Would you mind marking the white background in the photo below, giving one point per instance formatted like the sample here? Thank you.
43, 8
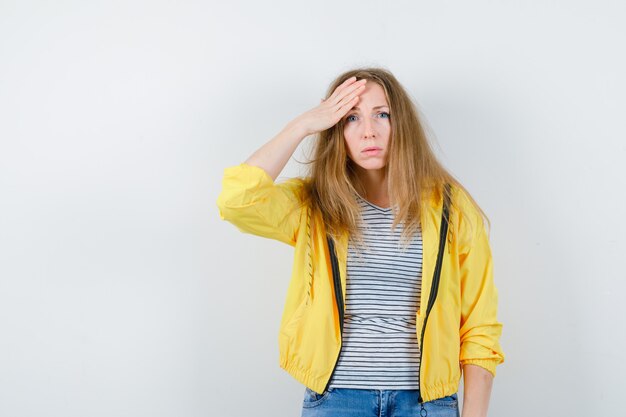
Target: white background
122, 293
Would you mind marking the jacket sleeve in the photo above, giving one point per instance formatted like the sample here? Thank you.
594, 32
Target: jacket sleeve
255, 204
479, 331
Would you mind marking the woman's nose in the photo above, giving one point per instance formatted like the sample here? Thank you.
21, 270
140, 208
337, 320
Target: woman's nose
368, 128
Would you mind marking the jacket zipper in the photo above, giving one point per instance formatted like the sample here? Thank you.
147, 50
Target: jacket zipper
434, 289
431, 299
338, 298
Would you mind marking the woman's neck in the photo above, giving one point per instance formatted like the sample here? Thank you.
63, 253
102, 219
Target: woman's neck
374, 183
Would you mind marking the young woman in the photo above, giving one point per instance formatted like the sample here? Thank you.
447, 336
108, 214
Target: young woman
392, 296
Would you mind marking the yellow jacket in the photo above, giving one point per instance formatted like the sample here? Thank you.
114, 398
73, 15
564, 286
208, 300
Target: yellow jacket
461, 327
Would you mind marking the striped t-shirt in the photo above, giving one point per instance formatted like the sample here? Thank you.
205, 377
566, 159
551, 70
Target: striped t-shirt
379, 349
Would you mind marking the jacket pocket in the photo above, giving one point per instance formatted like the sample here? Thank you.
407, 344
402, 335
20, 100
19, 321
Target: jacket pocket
295, 318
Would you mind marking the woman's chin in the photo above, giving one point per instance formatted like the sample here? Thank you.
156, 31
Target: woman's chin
372, 165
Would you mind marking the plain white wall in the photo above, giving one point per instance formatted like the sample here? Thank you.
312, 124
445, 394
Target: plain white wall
122, 293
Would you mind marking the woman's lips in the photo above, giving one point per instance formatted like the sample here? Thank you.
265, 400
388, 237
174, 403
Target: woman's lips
372, 151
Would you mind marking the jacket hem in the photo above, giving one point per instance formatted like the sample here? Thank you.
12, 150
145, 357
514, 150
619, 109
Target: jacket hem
316, 383
440, 390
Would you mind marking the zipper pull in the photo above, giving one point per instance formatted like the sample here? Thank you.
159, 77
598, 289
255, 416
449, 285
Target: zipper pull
423, 412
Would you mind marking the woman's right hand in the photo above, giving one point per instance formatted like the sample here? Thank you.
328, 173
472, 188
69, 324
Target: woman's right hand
330, 111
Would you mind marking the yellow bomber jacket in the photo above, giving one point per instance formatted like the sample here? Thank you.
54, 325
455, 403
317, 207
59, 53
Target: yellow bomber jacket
461, 327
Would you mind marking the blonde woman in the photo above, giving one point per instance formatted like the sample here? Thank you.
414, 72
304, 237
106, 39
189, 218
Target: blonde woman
392, 297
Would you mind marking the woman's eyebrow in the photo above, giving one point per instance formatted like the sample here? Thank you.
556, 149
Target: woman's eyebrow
374, 108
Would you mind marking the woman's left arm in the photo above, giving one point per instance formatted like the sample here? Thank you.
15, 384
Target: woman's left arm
477, 383
480, 329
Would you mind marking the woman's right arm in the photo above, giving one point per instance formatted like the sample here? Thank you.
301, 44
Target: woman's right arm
251, 200
274, 155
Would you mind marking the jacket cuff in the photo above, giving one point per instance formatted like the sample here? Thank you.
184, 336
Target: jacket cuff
488, 364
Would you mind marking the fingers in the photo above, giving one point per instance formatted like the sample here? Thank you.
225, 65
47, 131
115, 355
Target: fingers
342, 86
345, 106
349, 99
347, 87
350, 88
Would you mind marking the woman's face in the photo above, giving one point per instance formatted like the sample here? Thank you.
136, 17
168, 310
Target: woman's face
367, 126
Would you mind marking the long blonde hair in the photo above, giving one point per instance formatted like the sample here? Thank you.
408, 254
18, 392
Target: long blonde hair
414, 173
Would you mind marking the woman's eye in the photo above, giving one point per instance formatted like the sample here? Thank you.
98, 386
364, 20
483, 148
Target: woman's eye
348, 119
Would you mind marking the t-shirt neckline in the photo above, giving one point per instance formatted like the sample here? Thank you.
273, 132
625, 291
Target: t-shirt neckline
387, 209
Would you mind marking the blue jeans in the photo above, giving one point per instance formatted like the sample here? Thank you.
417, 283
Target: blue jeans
348, 402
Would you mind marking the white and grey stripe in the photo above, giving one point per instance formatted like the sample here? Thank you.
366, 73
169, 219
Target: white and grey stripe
380, 348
